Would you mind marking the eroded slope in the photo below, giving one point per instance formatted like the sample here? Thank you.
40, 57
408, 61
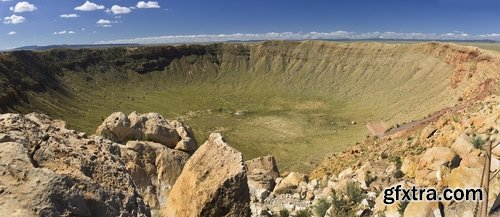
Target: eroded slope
296, 100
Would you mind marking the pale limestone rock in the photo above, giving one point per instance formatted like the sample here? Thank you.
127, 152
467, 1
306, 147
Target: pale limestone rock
154, 168
148, 127
427, 132
465, 177
421, 209
48, 170
289, 184
346, 174
434, 164
212, 183
462, 145
116, 127
409, 166
262, 173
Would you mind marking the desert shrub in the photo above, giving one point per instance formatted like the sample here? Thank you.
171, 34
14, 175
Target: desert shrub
354, 193
304, 213
344, 203
402, 207
283, 213
370, 178
341, 207
398, 174
397, 161
420, 150
478, 142
156, 214
321, 207
409, 139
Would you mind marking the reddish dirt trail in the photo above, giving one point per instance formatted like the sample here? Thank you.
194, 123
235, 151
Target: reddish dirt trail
433, 117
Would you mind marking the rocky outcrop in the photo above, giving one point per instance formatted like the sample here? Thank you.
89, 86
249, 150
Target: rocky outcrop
48, 170
462, 145
149, 127
434, 165
212, 183
154, 168
422, 209
262, 173
462, 209
290, 184
447, 153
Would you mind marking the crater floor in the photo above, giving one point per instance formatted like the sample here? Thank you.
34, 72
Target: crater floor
294, 100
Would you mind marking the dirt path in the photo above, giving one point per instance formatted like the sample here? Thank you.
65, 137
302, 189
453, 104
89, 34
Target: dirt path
416, 123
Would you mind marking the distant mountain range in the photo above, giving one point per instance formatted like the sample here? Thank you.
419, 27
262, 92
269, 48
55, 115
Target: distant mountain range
71, 46
78, 46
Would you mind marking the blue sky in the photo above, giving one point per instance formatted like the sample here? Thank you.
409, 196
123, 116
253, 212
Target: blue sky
39, 22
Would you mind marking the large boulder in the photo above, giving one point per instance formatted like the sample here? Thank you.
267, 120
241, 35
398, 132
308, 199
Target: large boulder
154, 168
290, 184
116, 127
462, 145
465, 177
462, 209
428, 132
48, 170
212, 183
422, 209
434, 166
409, 166
150, 127
262, 173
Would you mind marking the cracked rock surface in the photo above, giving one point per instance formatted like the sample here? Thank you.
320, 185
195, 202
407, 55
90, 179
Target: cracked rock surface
148, 127
48, 170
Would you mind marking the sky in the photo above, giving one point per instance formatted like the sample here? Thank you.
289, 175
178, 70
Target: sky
47, 22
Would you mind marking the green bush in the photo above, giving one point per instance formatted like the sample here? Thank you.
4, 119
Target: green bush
344, 203
304, 213
284, 213
402, 207
321, 207
397, 161
399, 174
409, 139
354, 193
478, 142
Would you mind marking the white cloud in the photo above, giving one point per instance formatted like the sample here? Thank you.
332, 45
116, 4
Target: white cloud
11, 33
64, 32
490, 35
149, 4
14, 19
5, 0
305, 36
89, 6
105, 23
23, 7
116, 9
69, 15
102, 21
